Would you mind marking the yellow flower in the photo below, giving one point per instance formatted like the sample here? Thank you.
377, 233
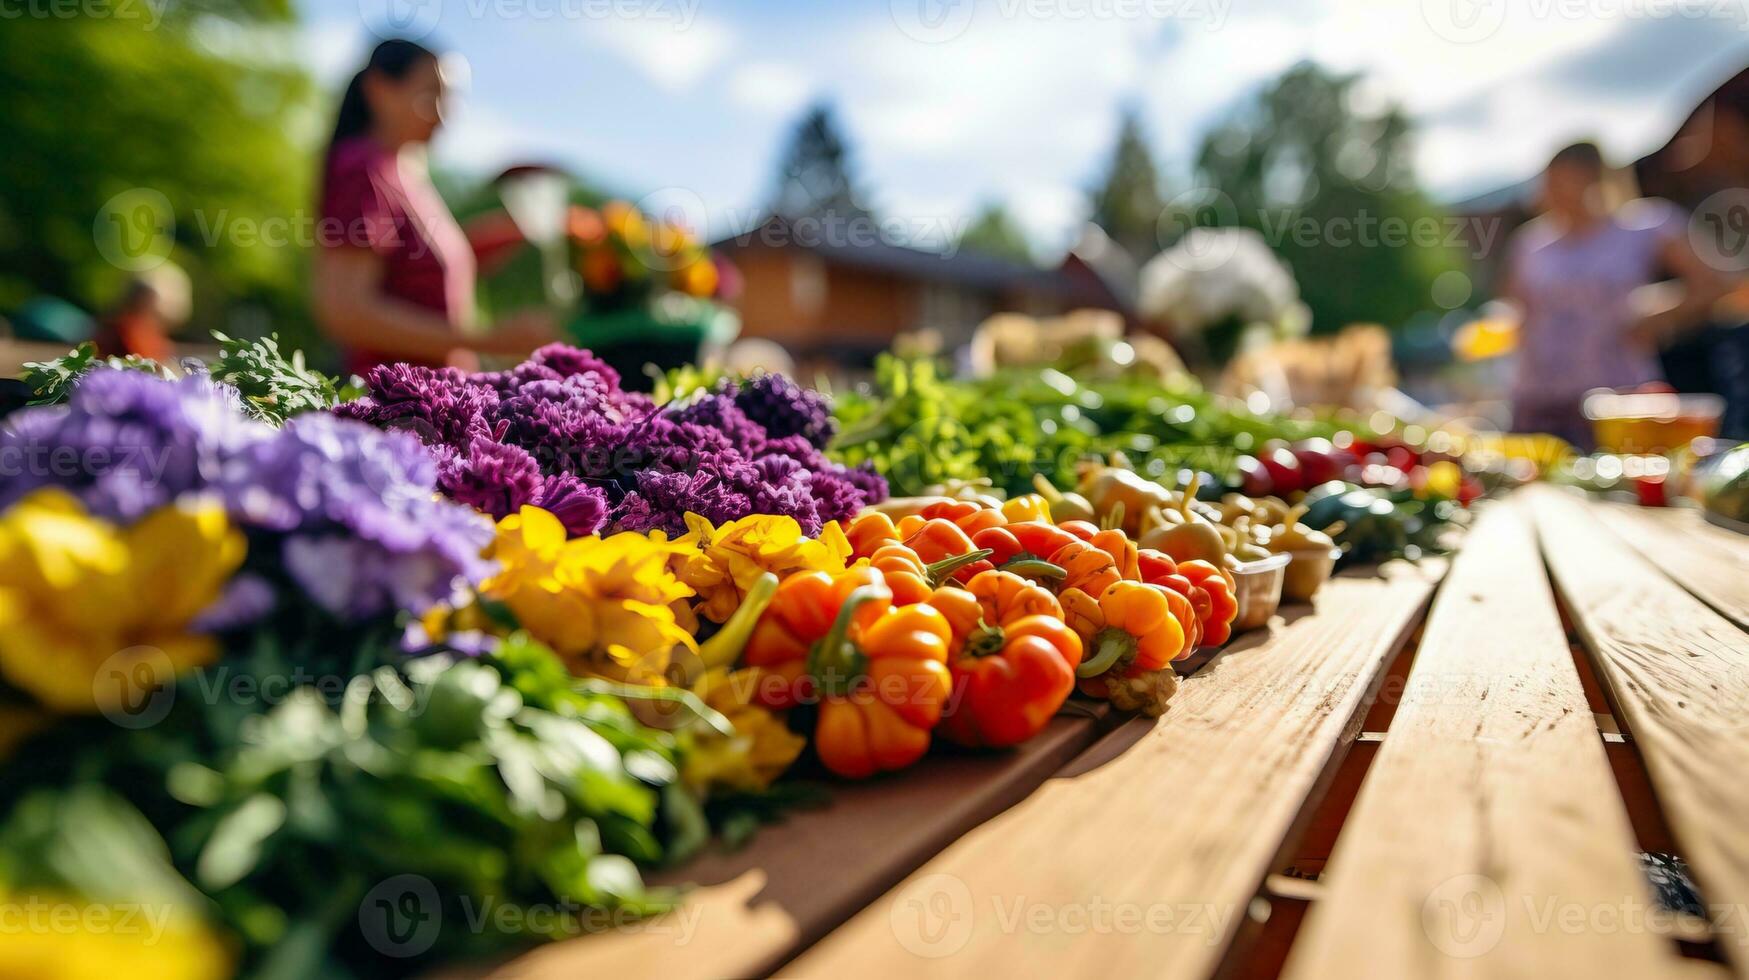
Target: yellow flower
697, 278
626, 222
605, 605
77, 939
730, 557
92, 614
759, 751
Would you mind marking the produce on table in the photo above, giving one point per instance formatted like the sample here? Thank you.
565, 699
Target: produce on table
1131, 636
1012, 658
1726, 487
920, 429
618, 634
1376, 524
876, 672
557, 432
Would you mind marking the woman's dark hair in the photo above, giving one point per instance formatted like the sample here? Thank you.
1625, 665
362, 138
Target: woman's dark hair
1583, 154
393, 58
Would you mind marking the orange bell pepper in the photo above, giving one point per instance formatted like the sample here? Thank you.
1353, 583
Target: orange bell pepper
1134, 637
939, 539
1013, 659
1085, 530
872, 528
1024, 547
1121, 549
1085, 567
970, 516
1217, 584
879, 671
911, 578
868, 531
1158, 568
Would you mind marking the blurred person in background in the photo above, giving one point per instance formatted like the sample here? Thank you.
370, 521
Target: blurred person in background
1715, 356
1572, 273
394, 274
152, 305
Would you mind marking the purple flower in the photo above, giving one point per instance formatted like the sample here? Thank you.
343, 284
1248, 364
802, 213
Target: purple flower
557, 431
141, 442
784, 408
126, 442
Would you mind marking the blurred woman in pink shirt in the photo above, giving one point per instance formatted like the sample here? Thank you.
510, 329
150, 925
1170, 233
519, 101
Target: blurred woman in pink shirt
394, 274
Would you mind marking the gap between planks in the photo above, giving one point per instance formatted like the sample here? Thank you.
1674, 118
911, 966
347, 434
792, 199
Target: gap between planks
1679, 674
1490, 809
1147, 864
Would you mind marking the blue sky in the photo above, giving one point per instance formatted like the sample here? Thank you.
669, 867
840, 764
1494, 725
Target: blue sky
952, 102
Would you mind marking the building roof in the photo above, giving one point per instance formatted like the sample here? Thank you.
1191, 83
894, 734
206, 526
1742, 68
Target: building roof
967, 268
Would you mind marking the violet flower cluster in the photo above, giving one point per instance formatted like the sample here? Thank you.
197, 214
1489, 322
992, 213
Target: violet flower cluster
558, 432
348, 513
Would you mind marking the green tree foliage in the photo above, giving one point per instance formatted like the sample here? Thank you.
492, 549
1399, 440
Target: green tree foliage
1126, 202
188, 130
815, 177
1330, 185
994, 232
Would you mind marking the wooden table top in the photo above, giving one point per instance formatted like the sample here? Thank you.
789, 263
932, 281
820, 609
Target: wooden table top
1444, 769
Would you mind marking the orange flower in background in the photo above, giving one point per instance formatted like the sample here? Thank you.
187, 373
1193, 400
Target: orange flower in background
585, 226
697, 278
602, 269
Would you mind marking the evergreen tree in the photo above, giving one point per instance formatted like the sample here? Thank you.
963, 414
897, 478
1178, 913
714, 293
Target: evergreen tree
1333, 191
994, 232
1127, 202
814, 178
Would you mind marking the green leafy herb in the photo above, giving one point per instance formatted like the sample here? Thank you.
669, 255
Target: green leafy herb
52, 381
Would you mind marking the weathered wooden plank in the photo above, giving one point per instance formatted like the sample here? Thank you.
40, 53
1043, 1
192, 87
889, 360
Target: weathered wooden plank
1709, 561
796, 880
1489, 812
1679, 674
1144, 865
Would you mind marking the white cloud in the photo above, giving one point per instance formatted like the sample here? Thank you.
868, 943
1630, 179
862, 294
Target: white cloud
674, 54
769, 87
